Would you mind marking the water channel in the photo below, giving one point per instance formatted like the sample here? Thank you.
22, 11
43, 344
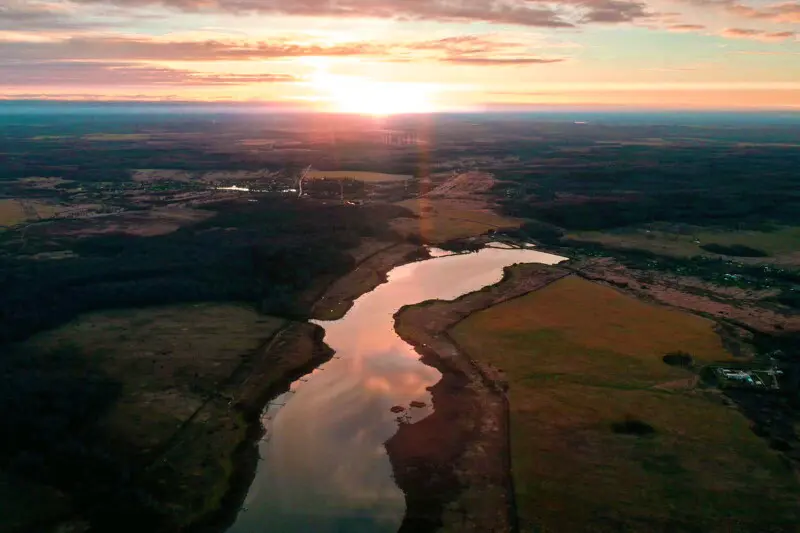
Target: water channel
323, 465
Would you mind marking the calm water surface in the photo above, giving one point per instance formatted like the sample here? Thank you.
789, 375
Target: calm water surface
324, 468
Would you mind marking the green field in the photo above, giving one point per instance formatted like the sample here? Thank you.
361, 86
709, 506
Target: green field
580, 358
13, 213
441, 221
176, 367
780, 242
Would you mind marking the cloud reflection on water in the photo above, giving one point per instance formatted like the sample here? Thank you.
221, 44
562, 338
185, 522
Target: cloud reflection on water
324, 467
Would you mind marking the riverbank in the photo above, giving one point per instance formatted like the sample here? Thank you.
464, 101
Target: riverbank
295, 350
370, 272
453, 465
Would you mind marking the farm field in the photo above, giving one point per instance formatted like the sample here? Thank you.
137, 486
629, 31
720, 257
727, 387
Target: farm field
149, 223
357, 175
443, 220
584, 364
13, 213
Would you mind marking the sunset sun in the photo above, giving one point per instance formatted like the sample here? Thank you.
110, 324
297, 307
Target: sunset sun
348, 94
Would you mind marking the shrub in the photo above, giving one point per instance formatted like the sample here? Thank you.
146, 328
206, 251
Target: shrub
633, 426
679, 358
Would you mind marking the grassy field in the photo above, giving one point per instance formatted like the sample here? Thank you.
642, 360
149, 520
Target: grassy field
582, 357
176, 367
442, 220
23, 503
784, 240
357, 175
12, 212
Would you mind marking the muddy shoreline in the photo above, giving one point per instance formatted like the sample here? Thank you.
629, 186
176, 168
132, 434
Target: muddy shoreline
454, 466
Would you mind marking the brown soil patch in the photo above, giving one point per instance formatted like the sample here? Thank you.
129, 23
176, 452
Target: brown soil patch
466, 185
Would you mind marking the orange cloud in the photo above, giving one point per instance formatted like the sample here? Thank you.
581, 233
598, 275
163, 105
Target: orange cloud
685, 27
759, 35
92, 73
788, 12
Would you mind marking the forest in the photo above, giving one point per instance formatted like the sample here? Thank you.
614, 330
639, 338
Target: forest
267, 253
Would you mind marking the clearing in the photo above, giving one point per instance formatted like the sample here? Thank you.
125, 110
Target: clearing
149, 223
584, 366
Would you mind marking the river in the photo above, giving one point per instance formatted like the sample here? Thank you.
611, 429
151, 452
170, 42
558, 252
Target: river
323, 465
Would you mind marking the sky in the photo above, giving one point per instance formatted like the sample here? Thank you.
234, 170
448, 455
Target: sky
398, 56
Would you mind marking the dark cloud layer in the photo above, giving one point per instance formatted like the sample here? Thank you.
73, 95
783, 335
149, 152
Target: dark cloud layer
542, 13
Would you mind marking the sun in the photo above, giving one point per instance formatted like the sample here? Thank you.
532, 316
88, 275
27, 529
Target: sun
349, 94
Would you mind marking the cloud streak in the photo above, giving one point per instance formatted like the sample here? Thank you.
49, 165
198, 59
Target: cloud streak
758, 35
143, 48
782, 12
90, 73
466, 49
501, 60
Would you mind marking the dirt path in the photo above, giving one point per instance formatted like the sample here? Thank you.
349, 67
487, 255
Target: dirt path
454, 466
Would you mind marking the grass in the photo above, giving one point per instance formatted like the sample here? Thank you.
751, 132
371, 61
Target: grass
167, 359
373, 177
174, 365
13, 213
441, 221
784, 240
581, 360
23, 503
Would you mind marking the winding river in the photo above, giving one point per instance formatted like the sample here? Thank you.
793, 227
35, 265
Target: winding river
323, 465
